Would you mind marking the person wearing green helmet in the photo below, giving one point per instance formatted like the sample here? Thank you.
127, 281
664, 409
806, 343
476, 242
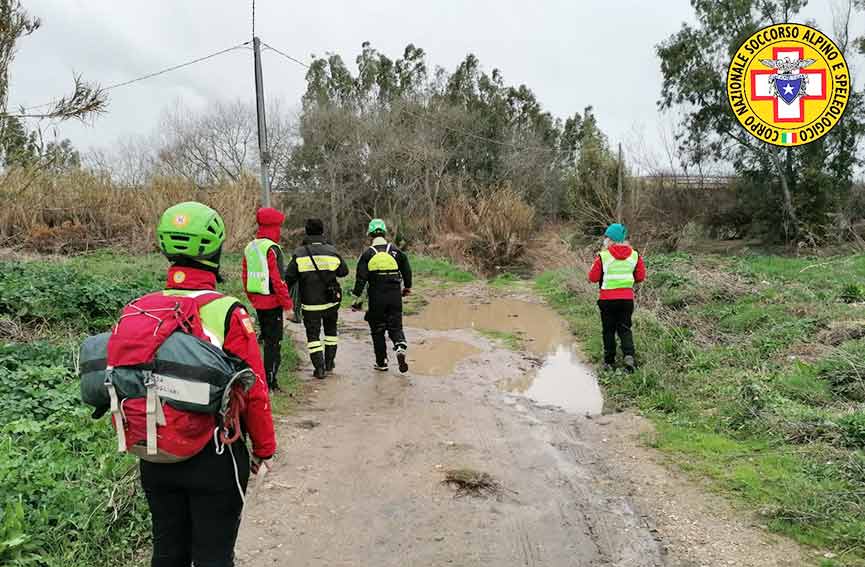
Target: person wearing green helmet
616, 270
387, 271
195, 505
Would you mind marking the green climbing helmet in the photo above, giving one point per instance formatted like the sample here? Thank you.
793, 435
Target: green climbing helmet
191, 230
377, 226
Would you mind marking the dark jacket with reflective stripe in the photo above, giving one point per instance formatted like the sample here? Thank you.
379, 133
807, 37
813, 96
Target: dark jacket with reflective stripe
384, 285
300, 269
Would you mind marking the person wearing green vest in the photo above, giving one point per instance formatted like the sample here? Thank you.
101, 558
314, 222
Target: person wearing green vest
264, 282
387, 271
616, 270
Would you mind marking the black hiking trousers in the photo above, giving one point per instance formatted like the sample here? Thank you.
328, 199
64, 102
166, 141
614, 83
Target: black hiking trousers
385, 316
195, 507
271, 323
616, 320
322, 353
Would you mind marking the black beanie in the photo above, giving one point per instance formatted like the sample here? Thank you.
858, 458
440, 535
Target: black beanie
314, 227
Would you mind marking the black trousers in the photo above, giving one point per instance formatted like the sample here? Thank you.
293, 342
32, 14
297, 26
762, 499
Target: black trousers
321, 349
385, 315
616, 320
270, 321
195, 507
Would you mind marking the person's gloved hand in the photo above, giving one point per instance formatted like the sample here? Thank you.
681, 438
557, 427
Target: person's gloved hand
257, 462
406, 291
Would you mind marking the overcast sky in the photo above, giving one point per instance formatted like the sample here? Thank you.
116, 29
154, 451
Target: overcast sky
572, 53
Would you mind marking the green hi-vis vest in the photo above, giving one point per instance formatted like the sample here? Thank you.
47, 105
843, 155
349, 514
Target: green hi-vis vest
213, 315
618, 274
257, 271
383, 263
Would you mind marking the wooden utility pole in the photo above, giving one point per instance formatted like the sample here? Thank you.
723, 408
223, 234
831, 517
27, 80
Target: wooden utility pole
620, 196
262, 124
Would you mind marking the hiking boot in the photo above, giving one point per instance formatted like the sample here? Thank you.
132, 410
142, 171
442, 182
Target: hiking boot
329, 366
630, 364
319, 373
381, 367
274, 387
400, 358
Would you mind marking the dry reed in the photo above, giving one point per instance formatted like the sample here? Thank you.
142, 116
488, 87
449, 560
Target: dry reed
78, 211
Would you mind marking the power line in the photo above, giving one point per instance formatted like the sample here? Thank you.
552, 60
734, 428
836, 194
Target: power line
139, 79
176, 67
286, 55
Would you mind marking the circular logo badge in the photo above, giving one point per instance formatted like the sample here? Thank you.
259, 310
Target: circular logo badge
181, 221
788, 84
179, 277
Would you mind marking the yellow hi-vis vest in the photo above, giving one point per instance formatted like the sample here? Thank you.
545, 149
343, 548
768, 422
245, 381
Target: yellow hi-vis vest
257, 270
213, 315
618, 274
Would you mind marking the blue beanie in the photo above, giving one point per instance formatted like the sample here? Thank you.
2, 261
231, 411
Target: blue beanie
616, 232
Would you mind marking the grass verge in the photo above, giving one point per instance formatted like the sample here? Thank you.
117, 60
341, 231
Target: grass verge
752, 370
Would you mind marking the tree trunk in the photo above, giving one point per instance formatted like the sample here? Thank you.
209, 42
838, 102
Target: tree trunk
334, 216
432, 201
789, 209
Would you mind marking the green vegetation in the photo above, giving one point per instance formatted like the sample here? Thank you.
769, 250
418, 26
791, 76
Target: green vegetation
752, 369
66, 496
511, 341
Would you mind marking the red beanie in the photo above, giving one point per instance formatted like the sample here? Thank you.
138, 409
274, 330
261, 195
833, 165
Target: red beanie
268, 216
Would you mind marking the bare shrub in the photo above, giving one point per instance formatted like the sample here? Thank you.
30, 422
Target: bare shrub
490, 230
79, 211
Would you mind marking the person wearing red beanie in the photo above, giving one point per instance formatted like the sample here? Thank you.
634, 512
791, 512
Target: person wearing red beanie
264, 283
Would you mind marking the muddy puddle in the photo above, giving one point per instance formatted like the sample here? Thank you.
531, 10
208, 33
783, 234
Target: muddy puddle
439, 357
562, 379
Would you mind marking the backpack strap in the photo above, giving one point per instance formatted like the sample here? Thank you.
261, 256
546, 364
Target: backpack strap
116, 414
314, 265
155, 415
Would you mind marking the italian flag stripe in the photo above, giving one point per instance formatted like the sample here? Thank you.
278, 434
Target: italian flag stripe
788, 137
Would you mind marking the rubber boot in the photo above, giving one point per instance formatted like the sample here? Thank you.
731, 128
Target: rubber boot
317, 359
329, 358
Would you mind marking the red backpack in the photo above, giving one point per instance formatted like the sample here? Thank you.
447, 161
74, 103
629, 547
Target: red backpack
164, 383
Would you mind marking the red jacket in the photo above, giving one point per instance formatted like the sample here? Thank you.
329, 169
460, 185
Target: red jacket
240, 341
596, 274
269, 224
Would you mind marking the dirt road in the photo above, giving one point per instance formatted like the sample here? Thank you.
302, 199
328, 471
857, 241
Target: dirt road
359, 479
